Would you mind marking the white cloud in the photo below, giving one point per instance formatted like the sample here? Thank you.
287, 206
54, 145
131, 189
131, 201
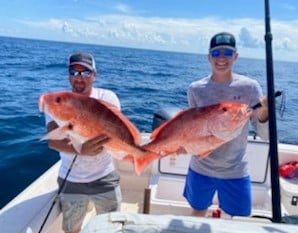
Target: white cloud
123, 8
247, 40
50, 24
170, 34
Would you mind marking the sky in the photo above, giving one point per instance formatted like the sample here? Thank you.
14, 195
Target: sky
168, 25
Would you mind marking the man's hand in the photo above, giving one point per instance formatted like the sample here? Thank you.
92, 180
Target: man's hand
263, 110
94, 145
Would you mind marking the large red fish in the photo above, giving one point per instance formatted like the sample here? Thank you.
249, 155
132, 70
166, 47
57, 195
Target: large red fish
199, 131
81, 118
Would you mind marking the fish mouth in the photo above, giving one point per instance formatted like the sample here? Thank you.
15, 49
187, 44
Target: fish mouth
245, 111
248, 111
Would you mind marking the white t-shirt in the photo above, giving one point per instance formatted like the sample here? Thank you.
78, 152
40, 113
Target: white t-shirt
89, 168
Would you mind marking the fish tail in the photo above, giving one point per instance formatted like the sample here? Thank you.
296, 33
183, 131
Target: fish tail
142, 162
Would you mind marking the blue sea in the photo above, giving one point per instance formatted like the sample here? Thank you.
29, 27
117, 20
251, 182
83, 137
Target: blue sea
144, 80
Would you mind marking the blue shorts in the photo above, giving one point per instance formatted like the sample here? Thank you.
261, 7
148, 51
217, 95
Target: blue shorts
234, 195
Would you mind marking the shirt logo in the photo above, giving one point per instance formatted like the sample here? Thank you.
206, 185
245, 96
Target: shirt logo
237, 97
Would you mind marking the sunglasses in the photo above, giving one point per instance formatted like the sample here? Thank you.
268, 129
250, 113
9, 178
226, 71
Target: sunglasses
227, 53
83, 74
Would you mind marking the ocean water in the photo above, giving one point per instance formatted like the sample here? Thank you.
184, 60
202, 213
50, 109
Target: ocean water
144, 80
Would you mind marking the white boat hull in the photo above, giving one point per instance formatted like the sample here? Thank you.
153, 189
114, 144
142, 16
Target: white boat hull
157, 191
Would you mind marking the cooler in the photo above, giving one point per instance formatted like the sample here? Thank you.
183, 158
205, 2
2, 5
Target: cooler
289, 195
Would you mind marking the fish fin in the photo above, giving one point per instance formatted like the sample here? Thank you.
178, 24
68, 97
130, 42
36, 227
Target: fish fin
181, 150
62, 133
166, 123
205, 154
77, 145
141, 163
132, 128
129, 158
56, 134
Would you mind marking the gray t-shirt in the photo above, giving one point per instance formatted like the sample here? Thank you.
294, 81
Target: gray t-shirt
229, 160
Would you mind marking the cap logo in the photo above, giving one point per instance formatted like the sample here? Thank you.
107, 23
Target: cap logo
223, 39
83, 59
86, 60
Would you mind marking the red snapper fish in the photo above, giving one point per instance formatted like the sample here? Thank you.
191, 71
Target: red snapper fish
199, 131
81, 118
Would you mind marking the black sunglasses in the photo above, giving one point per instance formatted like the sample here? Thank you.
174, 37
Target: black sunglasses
83, 74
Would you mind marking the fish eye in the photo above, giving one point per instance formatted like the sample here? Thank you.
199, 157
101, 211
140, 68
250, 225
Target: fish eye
224, 109
58, 99
70, 126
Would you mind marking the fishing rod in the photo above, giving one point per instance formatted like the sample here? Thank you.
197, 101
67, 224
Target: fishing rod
276, 94
273, 150
58, 193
